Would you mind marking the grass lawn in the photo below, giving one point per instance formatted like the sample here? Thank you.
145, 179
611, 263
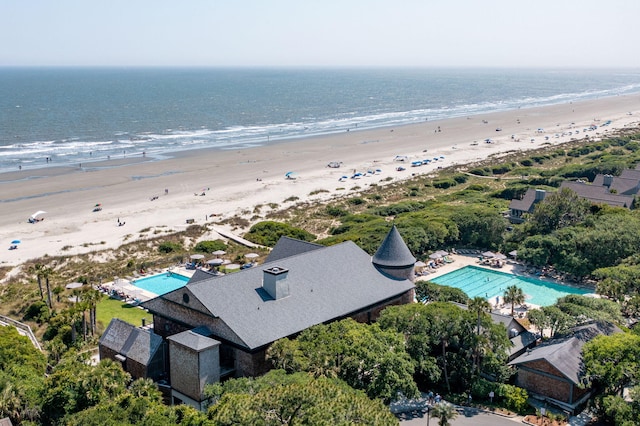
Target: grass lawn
111, 308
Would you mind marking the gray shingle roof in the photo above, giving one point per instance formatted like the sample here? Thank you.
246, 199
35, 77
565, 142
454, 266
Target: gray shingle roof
598, 194
193, 340
324, 284
526, 203
132, 342
286, 247
565, 352
393, 252
199, 275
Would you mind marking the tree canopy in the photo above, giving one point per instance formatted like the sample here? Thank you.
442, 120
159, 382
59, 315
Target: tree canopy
442, 341
364, 356
611, 364
278, 398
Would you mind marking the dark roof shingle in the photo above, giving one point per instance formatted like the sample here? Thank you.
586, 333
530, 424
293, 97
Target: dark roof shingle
393, 252
325, 284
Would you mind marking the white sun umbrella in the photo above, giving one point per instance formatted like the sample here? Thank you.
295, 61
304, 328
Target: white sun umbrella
420, 264
71, 286
219, 253
197, 256
38, 213
251, 255
232, 266
435, 256
215, 262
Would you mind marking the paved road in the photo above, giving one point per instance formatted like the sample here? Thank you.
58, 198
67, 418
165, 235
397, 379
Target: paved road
467, 417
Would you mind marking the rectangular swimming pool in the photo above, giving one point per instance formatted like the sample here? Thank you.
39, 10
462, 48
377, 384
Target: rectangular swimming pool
487, 283
162, 283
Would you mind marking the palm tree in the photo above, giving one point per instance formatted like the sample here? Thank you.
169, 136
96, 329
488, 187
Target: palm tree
481, 307
444, 412
514, 295
38, 270
92, 297
46, 274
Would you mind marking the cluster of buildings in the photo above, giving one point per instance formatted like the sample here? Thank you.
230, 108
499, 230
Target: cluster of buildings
217, 327
616, 191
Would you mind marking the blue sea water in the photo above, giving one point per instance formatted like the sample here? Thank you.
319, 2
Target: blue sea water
73, 115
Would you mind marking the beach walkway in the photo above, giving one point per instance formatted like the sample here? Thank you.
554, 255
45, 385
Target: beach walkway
228, 234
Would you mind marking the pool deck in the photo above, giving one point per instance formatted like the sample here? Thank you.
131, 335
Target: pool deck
129, 292
510, 267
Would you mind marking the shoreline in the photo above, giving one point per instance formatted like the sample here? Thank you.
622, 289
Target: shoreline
161, 194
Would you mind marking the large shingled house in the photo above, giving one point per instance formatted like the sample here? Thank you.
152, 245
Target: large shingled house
553, 370
616, 191
222, 326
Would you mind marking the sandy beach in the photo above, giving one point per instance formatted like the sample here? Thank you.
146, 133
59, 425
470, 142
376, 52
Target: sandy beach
150, 195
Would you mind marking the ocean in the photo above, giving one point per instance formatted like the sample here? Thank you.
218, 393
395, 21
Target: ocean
66, 116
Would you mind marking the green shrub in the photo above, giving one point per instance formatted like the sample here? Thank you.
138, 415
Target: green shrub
356, 201
461, 178
169, 247
501, 169
478, 187
514, 398
210, 246
268, 233
38, 312
335, 211
527, 162
484, 171
444, 183
395, 209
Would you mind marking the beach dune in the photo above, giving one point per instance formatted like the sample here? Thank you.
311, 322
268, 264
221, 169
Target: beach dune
145, 193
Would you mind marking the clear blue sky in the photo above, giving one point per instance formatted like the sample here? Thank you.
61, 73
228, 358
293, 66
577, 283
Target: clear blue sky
320, 33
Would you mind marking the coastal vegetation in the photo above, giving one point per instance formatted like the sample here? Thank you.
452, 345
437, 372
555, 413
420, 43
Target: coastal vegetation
437, 345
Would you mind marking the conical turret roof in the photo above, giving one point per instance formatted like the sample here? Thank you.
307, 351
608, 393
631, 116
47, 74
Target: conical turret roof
393, 252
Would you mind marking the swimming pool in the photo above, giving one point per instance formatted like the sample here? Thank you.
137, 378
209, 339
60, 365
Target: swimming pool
476, 281
162, 283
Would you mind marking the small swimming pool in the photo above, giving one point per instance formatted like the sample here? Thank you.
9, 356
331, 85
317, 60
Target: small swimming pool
162, 283
476, 281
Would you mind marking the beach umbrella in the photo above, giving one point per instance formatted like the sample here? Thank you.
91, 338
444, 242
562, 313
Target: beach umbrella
215, 262
98, 205
71, 286
289, 174
251, 255
435, 256
15, 242
219, 252
232, 266
197, 256
499, 256
513, 253
488, 254
420, 264
38, 213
